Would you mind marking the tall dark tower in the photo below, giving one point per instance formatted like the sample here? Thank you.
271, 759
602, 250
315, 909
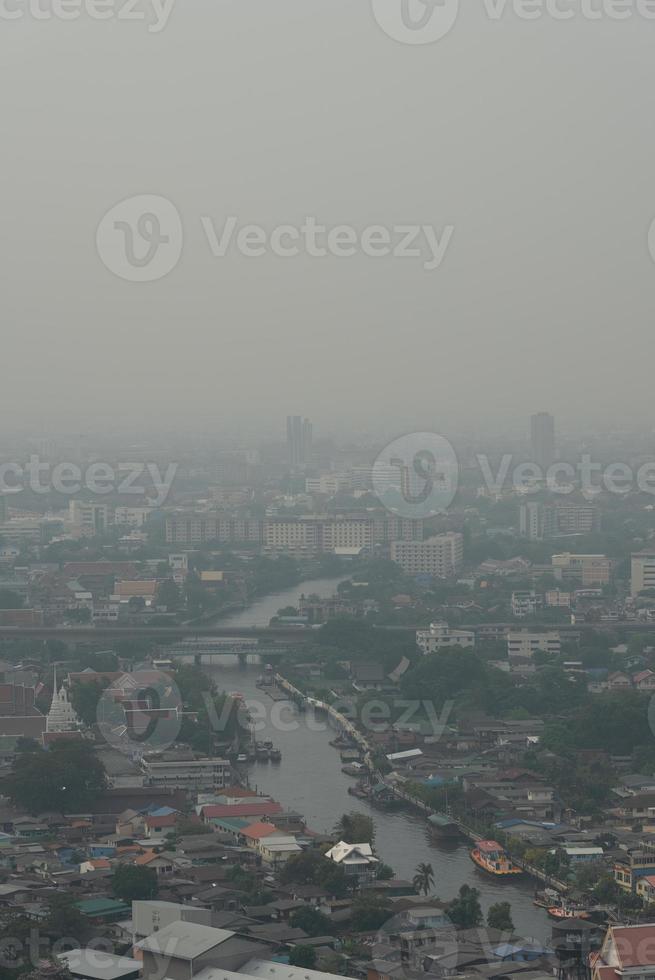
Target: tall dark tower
542, 437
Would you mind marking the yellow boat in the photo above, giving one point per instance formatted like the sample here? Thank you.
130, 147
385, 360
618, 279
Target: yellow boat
491, 857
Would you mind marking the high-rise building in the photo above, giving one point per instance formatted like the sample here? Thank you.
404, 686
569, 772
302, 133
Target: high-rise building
542, 438
299, 440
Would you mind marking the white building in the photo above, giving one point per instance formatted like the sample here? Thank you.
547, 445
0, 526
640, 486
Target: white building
643, 572
523, 644
440, 556
441, 637
186, 773
61, 717
357, 860
525, 603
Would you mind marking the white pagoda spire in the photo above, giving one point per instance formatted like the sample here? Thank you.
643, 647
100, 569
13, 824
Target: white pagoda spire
61, 717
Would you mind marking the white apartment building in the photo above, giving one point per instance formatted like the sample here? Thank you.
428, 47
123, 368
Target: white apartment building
440, 637
586, 569
524, 644
440, 556
185, 773
643, 572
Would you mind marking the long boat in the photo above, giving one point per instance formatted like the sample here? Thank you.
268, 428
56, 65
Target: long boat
491, 857
443, 827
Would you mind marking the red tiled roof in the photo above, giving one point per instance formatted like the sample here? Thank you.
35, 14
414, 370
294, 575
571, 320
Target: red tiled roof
634, 945
166, 820
258, 830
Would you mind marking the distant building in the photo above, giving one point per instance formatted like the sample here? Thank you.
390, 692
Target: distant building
440, 556
643, 572
587, 569
441, 637
526, 603
89, 518
523, 644
542, 439
546, 520
299, 440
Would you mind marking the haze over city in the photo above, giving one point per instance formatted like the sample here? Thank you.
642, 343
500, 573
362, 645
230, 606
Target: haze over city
531, 139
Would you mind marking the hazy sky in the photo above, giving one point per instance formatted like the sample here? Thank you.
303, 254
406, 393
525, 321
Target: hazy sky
532, 139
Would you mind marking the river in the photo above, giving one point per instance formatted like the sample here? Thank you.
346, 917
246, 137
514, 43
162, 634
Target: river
309, 780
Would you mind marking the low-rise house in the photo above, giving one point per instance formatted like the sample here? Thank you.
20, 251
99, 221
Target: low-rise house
357, 860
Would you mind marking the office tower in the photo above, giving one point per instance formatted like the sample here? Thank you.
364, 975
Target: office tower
542, 434
299, 440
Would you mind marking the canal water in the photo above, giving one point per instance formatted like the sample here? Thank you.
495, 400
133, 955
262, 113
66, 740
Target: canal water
309, 780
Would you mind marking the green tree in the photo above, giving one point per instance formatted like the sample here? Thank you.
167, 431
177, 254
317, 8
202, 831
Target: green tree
304, 956
132, 883
499, 916
369, 912
313, 922
67, 778
384, 872
65, 919
85, 698
423, 880
355, 828
465, 911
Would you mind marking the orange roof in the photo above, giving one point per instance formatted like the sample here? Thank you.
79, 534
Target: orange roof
99, 864
259, 830
145, 858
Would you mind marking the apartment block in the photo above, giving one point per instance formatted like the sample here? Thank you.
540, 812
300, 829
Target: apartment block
522, 644
587, 569
440, 556
441, 637
546, 520
643, 572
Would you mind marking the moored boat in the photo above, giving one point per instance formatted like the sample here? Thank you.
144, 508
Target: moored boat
560, 912
491, 857
443, 827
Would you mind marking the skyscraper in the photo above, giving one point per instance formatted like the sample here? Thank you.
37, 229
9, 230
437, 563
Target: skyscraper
542, 435
299, 440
